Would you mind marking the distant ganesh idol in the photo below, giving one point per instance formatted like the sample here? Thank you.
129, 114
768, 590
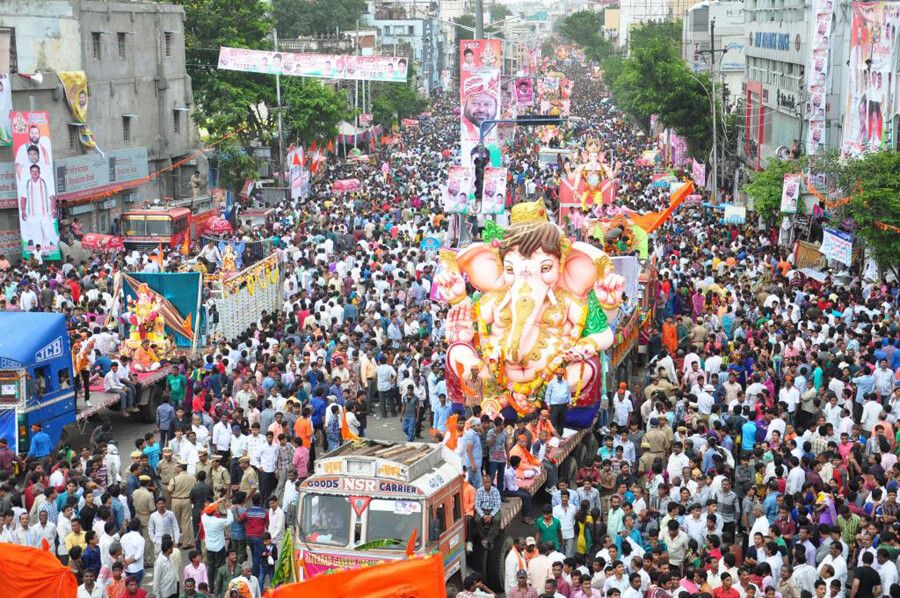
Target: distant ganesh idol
542, 307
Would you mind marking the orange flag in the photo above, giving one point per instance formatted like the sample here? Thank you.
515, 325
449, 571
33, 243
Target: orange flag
452, 431
419, 577
159, 257
411, 544
653, 220
186, 243
331, 146
346, 434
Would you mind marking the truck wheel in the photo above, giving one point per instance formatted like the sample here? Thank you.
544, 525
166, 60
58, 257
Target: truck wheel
578, 454
590, 449
148, 409
454, 585
568, 471
495, 561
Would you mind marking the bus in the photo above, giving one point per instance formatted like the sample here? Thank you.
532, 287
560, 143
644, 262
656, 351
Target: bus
145, 228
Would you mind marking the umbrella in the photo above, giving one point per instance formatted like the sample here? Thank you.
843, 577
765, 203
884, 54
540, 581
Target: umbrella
218, 226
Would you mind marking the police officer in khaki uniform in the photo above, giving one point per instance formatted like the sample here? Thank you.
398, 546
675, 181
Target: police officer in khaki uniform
204, 464
180, 487
249, 479
219, 478
165, 469
659, 442
144, 504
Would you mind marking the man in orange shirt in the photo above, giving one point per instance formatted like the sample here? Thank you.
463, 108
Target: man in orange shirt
468, 501
145, 360
303, 429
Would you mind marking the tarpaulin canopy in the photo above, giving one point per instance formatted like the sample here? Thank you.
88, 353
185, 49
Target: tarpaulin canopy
35, 573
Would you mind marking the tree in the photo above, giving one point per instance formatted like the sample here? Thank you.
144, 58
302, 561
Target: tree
499, 12
235, 165
390, 99
873, 183
583, 27
764, 186
310, 17
313, 111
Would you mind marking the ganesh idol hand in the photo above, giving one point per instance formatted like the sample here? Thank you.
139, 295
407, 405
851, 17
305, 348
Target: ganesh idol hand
451, 285
610, 289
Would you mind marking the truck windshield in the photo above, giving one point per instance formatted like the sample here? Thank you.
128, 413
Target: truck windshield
159, 228
394, 519
326, 519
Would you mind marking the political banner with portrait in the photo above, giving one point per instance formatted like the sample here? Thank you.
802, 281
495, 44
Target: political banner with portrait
479, 94
524, 92
493, 193
790, 192
460, 185
5, 109
389, 69
35, 185
873, 56
76, 89
816, 83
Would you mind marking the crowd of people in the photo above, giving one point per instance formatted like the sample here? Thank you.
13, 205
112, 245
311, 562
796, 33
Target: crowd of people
758, 456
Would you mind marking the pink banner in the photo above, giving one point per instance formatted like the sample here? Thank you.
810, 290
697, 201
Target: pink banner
346, 185
699, 174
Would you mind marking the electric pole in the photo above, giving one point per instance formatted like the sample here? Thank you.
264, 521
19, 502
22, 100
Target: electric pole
479, 19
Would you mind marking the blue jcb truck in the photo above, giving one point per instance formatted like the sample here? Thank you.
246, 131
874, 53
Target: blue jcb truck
37, 378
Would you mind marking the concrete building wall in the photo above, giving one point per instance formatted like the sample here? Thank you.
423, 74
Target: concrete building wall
133, 56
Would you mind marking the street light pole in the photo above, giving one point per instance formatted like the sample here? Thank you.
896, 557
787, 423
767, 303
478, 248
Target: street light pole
712, 99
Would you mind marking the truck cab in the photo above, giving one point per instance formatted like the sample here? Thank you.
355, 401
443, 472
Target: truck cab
366, 500
36, 377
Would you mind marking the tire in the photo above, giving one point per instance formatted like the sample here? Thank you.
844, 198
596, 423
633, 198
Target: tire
590, 449
496, 561
568, 471
579, 453
454, 585
154, 398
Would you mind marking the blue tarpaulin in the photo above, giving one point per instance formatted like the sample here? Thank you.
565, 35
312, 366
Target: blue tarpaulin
8, 426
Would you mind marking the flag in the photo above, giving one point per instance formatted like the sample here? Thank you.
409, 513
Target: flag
159, 257
416, 577
372, 143
411, 544
346, 434
452, 432
284, 568
186, 243
653, 220
331, 145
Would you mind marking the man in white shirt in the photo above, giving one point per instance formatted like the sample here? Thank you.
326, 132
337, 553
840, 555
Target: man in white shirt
162, 522
565, 512
677, 461
276, 521
112, 384
133, 551
90, 588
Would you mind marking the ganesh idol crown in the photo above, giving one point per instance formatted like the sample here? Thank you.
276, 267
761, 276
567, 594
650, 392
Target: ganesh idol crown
542, 307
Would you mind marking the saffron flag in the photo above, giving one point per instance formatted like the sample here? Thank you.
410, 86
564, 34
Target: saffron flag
653, 220
346, 434
414, 578
36, 573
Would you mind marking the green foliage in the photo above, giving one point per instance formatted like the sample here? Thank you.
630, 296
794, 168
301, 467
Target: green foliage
313, 111
582, 27
654, 80
764, 186
390, 99
309, 17
499, 12
874, 183
235, 165
668, 31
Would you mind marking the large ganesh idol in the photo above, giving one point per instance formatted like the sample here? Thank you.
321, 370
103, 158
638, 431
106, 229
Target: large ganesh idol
542, 305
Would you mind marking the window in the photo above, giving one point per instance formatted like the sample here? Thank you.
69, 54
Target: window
63, 378
176, 121
13, 55
73, 137
122, 44
325, 519
95, 44
168, 37
126, 128
394, 519
457, 507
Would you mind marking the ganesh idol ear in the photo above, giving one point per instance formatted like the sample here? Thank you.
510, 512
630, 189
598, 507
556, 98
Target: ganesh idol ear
481, 264
579, 272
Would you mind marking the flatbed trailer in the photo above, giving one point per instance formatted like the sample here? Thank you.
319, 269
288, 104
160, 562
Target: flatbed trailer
149, 390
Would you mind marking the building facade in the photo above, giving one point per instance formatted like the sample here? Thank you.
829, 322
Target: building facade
728, 18
132, 54
776, 107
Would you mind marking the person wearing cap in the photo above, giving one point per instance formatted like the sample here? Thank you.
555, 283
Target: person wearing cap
180, 488
522, 588
557, 398
219, 478
165, 471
